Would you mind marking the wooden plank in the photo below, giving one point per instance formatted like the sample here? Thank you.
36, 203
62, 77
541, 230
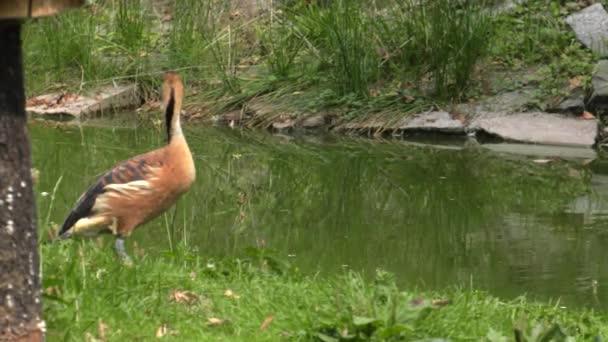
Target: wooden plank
18, 9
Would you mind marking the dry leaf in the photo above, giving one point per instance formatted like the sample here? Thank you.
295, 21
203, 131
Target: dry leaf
457, 116
185, 297
441, 302
214, 322
88, 337
408, 99
161, 331
101, 330
166, 17
588, 116
229, 293
235, 14
138, 250
575, 82
266, 322
542, 161
53, 291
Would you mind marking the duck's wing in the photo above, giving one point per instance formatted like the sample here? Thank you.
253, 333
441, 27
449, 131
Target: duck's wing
138, 169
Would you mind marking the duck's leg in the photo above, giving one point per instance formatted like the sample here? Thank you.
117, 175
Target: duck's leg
120, 250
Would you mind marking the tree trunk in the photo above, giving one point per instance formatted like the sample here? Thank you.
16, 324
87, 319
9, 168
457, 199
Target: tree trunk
20, 306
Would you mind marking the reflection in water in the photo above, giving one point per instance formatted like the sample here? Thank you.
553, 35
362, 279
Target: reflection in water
433, 217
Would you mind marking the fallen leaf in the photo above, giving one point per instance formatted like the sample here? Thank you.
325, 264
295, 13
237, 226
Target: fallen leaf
575, 82
166, 17
101, 330
88, 337
266, 322
230, 294
542, 161
457, 116
588, 116
185, 297
53, 291
235, 14
138, 250
214, 322
408, 99
161, 331
164, 330
441, 302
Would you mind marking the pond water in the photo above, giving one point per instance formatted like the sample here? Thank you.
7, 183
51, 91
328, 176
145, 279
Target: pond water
433, 217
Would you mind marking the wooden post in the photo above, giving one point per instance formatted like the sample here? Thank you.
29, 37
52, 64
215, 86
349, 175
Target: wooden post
20, 304
20, 293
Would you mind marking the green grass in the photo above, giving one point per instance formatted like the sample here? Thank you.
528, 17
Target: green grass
349, 57
86, 287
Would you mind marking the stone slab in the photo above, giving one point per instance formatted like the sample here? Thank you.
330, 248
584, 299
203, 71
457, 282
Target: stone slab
432, 121
538, 128
599, 97
68, 106
591, 28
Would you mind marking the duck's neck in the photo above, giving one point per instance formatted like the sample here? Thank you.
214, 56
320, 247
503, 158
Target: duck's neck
172, 118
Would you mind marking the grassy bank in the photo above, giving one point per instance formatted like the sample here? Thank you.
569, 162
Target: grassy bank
181, 297
350, 58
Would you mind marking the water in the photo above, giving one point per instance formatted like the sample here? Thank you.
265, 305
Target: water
433, 217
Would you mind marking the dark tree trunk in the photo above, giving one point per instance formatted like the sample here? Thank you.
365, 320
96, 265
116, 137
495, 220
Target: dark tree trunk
20, 306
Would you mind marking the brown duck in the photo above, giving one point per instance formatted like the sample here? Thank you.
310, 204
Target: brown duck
141, 188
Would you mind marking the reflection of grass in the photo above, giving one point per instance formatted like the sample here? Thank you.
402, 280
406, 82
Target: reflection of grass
185, 297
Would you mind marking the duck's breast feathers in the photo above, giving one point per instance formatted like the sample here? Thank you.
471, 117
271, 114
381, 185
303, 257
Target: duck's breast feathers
124, 179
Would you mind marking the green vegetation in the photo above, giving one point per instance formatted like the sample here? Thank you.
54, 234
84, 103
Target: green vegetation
89, 295
392, 57
302, 198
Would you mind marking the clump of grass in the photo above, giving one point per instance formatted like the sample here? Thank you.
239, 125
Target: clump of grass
62, 48
281, 45
340, 36
436, 41
131, 26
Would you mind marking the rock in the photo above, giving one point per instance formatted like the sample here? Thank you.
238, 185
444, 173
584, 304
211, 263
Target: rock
591, 28
538, 128
314, 121
599, 97
284, 124
508, 5
574, 103
432, 121
510, 102
233, 117
373, 124
68, 106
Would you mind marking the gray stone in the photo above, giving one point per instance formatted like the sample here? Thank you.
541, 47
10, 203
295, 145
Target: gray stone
574, 103
68, 106
314, 121
538, 128
591, 28
510, 102
508, 5
283, 124
432, 121
599, 98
